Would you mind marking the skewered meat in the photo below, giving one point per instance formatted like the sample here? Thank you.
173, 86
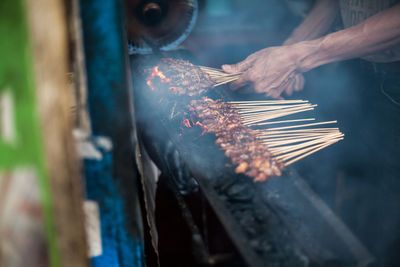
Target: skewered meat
180, 76
238, 141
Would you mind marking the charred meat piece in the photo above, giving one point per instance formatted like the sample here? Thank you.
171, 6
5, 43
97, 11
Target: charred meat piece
240, 143
180, 76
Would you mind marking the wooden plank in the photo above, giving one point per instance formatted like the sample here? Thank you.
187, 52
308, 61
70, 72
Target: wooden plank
111, 116
48, 31
21, 151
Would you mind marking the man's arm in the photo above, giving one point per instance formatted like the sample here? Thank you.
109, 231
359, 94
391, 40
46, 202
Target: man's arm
270, 70
376, 34
317, 22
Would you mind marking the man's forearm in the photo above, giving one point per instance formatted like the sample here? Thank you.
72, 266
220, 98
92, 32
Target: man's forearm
317, 22
377, 33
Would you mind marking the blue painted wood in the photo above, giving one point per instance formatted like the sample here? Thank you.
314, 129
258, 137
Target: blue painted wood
106, 62
112, 181
100, 187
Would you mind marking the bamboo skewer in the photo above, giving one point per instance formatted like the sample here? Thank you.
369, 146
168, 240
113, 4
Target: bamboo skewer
303, 125
255, 121
284, 141
269, 108
288, 144
303, 130
261, 114
312, 151
295, 153
219, 77
286, 121
271, 138
304, 144
239, 104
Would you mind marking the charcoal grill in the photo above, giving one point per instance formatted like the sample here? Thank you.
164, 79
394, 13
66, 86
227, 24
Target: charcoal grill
281, 222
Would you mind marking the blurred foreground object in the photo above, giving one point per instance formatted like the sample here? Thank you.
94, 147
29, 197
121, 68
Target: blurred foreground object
111, 171
39, 181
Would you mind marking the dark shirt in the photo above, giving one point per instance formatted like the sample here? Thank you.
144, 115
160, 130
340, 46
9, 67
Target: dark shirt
356, 11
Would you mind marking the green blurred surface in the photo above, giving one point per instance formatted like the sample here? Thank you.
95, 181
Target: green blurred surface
17, 76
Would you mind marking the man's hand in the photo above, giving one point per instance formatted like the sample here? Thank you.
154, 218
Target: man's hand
286, 78
272, 71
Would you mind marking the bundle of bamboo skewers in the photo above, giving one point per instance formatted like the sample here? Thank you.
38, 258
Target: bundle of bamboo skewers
183, 78
219, 77
246, 131
297, 138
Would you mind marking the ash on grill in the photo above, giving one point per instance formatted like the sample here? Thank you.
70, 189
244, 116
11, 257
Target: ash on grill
238, 141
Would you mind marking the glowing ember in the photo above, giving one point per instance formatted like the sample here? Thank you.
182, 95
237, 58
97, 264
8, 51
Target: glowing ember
204, 127
159, 73
186, 122
150, 84
156, 73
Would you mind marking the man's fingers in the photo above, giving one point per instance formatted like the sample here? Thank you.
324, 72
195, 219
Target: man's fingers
289, 91
268, 86
235, 68
229, 68
299, 82
274, 93
242, 81
277, 91
290, 87
271, 93
261, 87
238, 67
295, 84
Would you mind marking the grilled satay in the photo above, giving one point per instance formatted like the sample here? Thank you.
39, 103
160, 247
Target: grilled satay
180, 76
238, 141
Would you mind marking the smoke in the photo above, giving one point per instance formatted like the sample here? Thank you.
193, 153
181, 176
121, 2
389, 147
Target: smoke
350, 176
356, 177
228, 31
353, 176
